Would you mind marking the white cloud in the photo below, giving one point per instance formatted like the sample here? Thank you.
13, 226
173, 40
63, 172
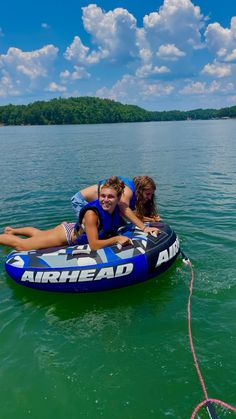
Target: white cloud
114, 32
54, 87
22, 72
145, 55
64, 75
202, 88
169, 34
79, 53
217, 70
117, 38
145, 49
221, 41
148, 70
32, 64
79, 73
169, 52
231, 56
120, 90
194, 88
155, 90
178, 22
7, 86
131, 89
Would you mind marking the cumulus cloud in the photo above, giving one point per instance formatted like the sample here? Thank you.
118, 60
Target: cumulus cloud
226, 56
79, 53
221, 41
171, 34
231, 57
148, 70
7, 86
202, 88
78, 74
145, 54
169, 52
54, 87
132, 89
77, 50
166, 35
177, 22
33, 64
21, 70
114, 31
156, 90
121, 90
113, 34
194, 88
217, 70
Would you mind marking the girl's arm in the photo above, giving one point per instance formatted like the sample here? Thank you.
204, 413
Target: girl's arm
128, 213
91, 228
126, 196
126, 210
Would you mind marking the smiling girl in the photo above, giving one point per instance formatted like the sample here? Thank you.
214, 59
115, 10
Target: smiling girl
97, 225
138, 196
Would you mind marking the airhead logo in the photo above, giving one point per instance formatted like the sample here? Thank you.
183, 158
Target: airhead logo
168, 254
79, 275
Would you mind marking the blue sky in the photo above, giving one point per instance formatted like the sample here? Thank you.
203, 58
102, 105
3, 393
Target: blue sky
160, 55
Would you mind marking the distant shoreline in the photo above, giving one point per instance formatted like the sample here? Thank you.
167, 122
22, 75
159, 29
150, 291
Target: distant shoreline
93, 110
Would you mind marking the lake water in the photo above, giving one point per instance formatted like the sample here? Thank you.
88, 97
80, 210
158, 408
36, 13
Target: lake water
122, 353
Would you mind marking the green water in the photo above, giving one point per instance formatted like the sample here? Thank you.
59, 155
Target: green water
123, 353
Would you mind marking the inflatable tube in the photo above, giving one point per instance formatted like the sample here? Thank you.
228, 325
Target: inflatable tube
78, 269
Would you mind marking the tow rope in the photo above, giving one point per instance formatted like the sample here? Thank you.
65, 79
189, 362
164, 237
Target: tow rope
208, 402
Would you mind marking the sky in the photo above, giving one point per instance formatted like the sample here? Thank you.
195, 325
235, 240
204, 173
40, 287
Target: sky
160, 55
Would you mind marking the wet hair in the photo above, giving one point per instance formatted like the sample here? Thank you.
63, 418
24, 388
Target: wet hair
147, 209
114, 183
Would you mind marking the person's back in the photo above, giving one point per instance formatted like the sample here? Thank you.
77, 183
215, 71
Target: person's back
83, 197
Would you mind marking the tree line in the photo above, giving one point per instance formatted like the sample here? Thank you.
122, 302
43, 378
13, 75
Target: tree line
92, 110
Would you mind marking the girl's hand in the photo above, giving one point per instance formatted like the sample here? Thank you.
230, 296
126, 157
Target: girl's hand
123, 240
151, 230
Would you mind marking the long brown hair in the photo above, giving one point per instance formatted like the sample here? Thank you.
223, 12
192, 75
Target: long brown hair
147, 209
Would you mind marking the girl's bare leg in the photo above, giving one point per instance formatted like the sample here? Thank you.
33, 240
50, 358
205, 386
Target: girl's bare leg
23, 231
44, 239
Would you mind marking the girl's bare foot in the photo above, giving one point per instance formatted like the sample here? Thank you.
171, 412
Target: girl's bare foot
8, 230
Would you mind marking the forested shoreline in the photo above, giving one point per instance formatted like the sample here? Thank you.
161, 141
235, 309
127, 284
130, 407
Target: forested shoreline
93, 110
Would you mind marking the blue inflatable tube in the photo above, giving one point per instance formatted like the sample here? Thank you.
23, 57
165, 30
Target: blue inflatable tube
78, 269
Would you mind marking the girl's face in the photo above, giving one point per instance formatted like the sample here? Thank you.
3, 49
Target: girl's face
147, 194
108, 199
